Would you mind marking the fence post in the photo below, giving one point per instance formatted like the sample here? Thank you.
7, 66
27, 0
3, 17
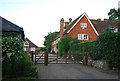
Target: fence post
32, 53
35, 60
86, 59
46, 58
66, 58
57, 58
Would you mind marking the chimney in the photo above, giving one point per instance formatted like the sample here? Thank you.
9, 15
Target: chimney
99, 19
61, 27
105, 19
70, 20
66, 24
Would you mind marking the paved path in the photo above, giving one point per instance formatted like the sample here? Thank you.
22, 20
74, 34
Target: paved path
72, 71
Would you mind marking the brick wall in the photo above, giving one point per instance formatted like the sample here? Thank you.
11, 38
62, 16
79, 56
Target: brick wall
78, 30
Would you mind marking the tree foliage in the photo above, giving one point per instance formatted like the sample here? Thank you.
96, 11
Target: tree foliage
78, 49
106, 47
114, 14
65, 44
49, 38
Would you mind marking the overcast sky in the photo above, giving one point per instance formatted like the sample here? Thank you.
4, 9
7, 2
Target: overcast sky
38, 17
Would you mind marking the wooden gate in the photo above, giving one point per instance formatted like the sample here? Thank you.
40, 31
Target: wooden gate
45, 58
55, 59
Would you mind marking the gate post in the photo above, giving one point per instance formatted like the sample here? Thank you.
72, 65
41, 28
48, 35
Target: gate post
85, 59
46, 58
57, 58
35, 59
32, 53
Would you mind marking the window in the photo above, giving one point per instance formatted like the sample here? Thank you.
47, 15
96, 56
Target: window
115, 29
32, 49
82, 37
26, 43
24, 49
112, 29
83, 25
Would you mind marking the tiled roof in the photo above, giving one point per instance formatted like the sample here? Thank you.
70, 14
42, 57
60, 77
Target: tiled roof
72, 23
101, 26
31, 44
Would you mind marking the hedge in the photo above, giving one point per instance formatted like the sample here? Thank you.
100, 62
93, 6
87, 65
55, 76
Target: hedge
81, 48
106, 47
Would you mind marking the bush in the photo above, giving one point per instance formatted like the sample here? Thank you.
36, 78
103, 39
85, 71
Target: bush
106, 47
65, 44
78, 49
14, 63
28, 69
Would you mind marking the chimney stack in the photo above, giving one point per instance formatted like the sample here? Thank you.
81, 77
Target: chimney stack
61, 27
70, 20
105, 19
66, 24
99, 19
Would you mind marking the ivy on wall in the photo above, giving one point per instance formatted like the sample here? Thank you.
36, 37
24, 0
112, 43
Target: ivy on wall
12, 44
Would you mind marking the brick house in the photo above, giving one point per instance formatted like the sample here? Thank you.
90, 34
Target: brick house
84, 29
29, 45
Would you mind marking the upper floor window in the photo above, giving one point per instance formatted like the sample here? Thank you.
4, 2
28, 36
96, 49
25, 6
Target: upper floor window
83, 25
26, 43
82, 37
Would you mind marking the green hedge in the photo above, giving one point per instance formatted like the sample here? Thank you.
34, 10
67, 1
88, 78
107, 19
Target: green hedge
81, 48
14, 63
107, 47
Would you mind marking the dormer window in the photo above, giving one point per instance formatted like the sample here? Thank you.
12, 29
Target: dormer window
83, 25
26, 43
112, 29
115, 29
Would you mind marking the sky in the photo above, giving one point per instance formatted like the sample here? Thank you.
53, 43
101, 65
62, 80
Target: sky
39, 17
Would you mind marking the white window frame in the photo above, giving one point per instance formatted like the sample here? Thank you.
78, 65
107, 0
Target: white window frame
27, 44
24, 49
32, 49
82, 36
115, 29
83, 25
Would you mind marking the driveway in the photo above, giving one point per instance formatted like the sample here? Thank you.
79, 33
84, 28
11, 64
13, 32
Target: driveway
72, 71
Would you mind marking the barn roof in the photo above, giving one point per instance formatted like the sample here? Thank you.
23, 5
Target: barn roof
7, 26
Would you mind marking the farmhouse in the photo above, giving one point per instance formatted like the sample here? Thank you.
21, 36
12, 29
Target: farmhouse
84, 29
29, 45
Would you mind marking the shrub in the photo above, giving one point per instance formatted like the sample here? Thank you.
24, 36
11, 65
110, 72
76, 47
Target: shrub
14, 63
106, 47
78, 49
65, 44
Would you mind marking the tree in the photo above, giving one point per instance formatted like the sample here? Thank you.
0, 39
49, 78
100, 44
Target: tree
48, 40
114, 14
65, 44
